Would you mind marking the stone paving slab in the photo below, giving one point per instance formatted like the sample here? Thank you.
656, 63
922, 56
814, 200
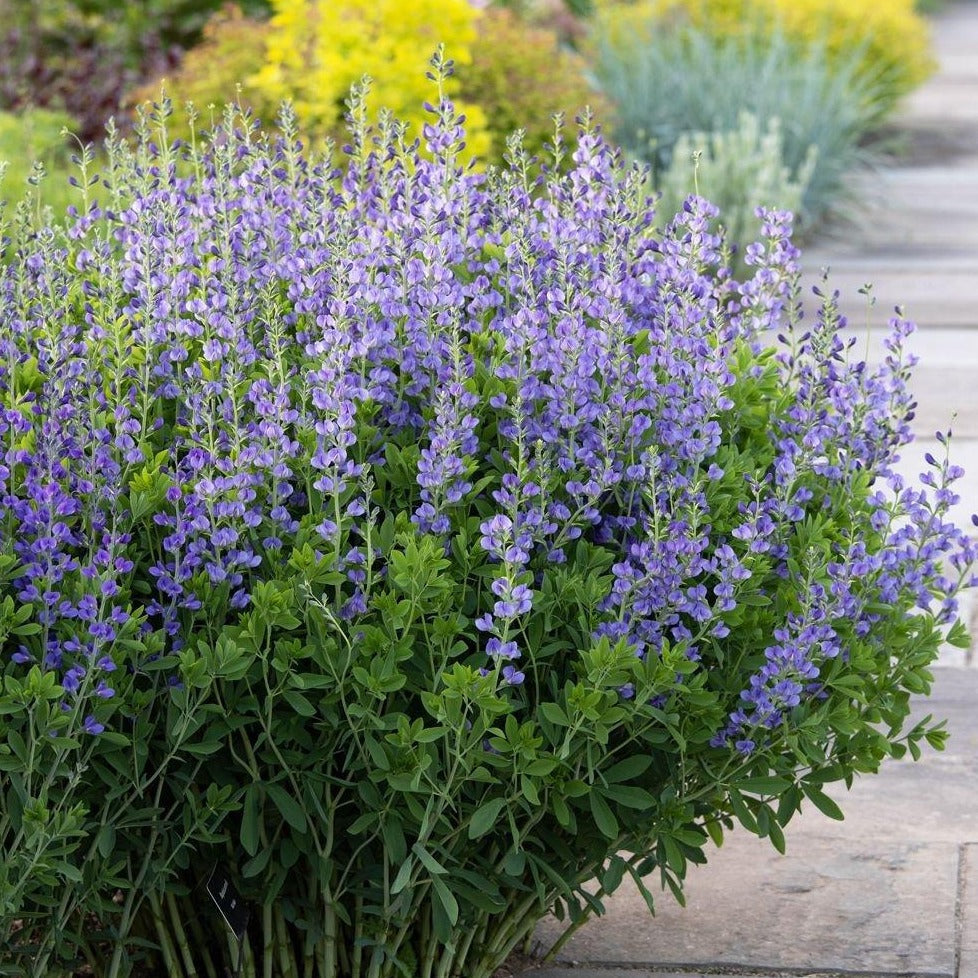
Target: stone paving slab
892, 890
933, 800
945, 297
946, 398
836, 904
586, 972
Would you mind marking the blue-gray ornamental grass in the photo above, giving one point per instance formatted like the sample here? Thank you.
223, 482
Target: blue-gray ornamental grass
422, 544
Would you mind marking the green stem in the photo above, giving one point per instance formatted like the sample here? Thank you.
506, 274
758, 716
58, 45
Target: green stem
286, 958
321, 959
268, 940
358, 924
203, 944
171, 962
376, 960
329, 938
446, 961
309, 945
238, 950
181, 936
430, 945
131, 899
466, 946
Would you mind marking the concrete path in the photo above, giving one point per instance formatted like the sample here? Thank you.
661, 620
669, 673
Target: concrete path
891, 892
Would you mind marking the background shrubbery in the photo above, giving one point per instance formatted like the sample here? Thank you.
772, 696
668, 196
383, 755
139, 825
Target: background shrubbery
829, 73
693, 81
317, 49
221, 68
827, 81
521, 77
35, 149
510, 74
740, 170
889, 41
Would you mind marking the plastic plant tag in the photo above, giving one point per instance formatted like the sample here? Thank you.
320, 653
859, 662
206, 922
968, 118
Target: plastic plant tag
229, 902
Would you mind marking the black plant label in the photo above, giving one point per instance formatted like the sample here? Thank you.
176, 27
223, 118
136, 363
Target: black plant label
232, 908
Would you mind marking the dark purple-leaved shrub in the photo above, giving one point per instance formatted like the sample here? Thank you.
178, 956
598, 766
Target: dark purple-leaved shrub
418, 545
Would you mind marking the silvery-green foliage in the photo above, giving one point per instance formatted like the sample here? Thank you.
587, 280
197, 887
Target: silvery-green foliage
673, 80
739, 171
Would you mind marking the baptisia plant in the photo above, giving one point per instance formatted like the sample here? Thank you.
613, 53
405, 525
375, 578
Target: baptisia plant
427, 549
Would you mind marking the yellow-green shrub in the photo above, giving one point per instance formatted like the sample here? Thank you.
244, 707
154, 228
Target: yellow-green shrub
520, 76
893, 39
220, 69
317, 49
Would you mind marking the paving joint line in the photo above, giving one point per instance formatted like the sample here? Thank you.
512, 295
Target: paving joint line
959, 903
747, 971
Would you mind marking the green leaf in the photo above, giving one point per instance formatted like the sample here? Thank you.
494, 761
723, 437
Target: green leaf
428, 860
299, 703
958, 636
628, 769
255, 865
764, 786
604, 818
755, 599
776, 835
288, 807
562, 812
715, 829
514, 862
674, 855
363, 822
484, 817
637, 798
742, 812
553, 713
106, 840
642, 888
822, 802
447, 900
614, 874
403, 876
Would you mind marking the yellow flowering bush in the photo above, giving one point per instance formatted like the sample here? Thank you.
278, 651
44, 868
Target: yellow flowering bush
521, 76
219, 69
316, 49
509, 73
892, 37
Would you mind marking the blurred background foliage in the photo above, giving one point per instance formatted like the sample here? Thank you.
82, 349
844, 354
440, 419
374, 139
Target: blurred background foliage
779, 98
694, 82
36, 148
317, 49
886, 41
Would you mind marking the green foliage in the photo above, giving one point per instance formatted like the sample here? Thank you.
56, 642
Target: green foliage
120, 26
674, 80
738, 171
885, 43
30, 138
520, 77
85, 56
221, 67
